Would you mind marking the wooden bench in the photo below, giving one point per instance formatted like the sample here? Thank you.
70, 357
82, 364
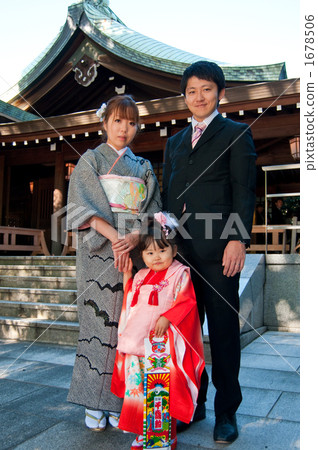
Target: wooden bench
273, 238
70, 243
8, 240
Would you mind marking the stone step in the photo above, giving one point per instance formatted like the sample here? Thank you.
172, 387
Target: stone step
57, 332
46, 311
65, 296
38, 260
38, 299
37, 270
38, 282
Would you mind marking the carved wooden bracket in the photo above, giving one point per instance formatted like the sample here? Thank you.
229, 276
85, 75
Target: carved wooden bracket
85, 71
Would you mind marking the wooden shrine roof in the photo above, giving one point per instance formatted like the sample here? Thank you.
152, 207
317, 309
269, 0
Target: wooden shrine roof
94, 38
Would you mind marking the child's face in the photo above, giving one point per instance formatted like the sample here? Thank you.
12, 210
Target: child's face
157, 258
120, 132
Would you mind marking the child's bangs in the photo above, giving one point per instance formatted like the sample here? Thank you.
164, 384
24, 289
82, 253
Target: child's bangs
147, 240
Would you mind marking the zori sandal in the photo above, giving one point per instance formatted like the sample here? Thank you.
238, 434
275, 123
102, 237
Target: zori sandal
113, 419
95, 420
138, 442
173, 443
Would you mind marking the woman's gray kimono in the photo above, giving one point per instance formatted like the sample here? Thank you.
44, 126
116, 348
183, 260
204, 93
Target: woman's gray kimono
99, 284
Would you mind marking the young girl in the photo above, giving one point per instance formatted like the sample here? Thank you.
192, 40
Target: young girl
159, 298
109, 188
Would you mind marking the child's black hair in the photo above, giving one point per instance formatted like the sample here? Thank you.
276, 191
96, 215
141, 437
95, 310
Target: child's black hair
151, 231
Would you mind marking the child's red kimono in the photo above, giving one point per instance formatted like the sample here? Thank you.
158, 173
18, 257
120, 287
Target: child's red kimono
148, 296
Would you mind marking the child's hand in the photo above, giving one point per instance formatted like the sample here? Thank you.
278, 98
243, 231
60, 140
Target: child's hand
162, 326
121, 261
129, 267
127, 272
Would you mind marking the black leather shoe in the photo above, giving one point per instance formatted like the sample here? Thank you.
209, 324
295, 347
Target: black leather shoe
200, 414
225, 430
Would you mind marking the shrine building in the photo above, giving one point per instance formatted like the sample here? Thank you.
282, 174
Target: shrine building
48, 121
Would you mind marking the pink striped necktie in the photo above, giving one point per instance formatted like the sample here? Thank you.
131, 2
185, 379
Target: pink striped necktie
198, 130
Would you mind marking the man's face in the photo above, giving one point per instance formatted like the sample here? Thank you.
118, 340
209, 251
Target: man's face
202, 97
279, 204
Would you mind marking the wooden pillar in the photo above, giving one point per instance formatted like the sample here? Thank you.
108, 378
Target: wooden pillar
58, 201
7, 195
2, 160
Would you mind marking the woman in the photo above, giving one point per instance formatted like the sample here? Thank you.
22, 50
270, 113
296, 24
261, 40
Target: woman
109, 189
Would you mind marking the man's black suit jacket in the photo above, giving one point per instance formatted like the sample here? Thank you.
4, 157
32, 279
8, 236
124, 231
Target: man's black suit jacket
218, 176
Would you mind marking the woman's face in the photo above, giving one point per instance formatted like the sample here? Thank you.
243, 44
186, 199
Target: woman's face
120, 132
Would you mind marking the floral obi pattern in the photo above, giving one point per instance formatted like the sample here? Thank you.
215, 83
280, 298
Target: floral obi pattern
124, 194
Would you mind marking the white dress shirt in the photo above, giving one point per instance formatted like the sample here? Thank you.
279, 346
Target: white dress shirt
207, 120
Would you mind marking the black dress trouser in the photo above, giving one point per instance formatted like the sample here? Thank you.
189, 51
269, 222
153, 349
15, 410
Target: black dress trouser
218, 298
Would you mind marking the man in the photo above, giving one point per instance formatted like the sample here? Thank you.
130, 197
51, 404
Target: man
209, 184
277, 216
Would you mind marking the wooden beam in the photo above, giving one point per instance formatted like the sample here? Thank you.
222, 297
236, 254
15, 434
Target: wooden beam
274, 127
141, 74
51, 126
263, 127
44, 87
278, 92
269, 143
247, 98
149, 140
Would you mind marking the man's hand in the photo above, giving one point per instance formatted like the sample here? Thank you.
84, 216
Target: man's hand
233, 258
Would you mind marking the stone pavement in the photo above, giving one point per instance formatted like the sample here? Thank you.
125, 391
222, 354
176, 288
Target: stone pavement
34, 413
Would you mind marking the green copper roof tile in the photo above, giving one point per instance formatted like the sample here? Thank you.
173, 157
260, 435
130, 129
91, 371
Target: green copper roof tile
15, 114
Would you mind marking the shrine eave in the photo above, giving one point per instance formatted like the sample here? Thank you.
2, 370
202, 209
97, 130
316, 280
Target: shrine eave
105, 34
254, 97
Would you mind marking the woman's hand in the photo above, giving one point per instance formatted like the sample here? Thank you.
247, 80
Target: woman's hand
162, 326
121, 248
125, 244
121, 245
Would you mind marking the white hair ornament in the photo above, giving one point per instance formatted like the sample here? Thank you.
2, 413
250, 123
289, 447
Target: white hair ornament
101, 111
167, 222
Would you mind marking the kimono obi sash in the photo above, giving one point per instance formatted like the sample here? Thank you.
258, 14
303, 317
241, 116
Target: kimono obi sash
142, 317
125, 194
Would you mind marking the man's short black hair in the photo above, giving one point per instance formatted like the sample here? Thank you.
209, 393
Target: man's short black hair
204, 70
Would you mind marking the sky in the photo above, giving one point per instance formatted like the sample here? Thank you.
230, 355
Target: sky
238, 32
